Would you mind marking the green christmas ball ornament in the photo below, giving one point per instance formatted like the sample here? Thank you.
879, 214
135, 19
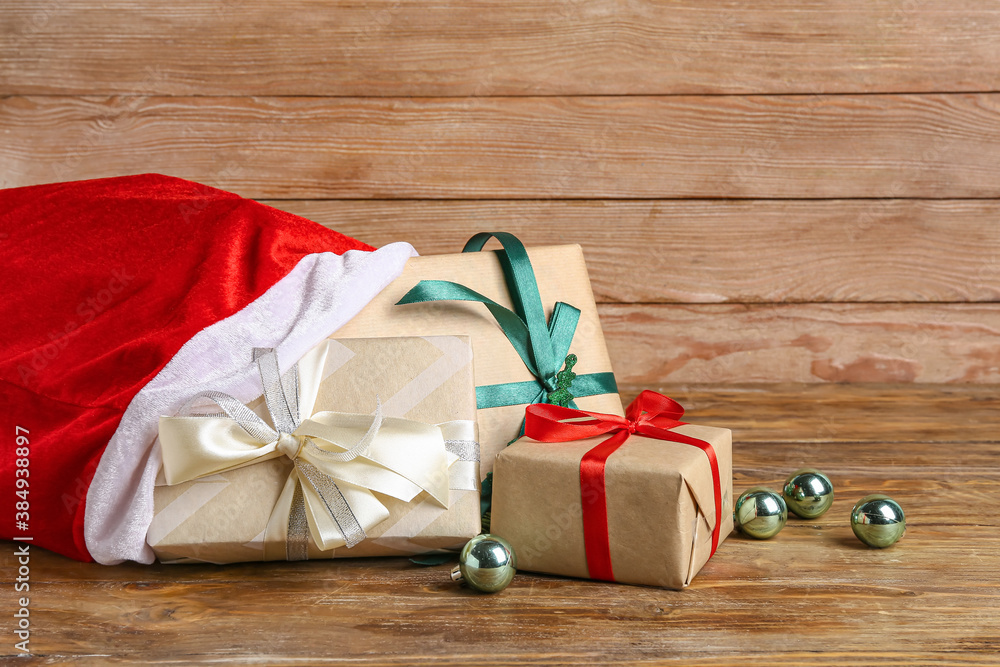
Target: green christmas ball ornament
878, 521
486, 563
760, 512
808, 493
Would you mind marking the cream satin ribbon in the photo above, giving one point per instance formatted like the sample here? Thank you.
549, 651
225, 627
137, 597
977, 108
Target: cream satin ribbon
339, 459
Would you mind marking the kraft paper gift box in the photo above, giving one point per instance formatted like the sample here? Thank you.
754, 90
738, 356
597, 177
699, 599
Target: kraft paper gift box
426, 391
659, 502
561, 276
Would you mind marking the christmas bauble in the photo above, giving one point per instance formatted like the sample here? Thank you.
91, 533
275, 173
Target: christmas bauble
760, 513
486, 563
808, 493
878, 521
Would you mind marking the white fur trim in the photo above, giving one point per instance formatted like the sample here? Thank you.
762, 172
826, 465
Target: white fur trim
315, 299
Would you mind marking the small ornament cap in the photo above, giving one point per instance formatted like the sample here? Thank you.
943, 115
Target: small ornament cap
486, 563
878, 521
760, 512
808, 493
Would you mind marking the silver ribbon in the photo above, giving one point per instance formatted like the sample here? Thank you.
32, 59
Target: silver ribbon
281, 396
465, 450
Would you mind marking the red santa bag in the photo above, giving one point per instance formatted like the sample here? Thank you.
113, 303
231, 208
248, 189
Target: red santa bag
122, 298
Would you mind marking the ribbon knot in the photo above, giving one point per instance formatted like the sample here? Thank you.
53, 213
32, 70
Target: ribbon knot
290, 445
651, 415
330, 491
542, 345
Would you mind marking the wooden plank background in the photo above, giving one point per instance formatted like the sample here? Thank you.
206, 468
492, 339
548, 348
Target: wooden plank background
458, 48
787, 191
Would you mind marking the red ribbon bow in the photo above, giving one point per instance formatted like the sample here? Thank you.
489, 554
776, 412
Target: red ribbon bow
651, 415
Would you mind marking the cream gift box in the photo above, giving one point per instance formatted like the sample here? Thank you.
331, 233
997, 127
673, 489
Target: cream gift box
561, 276
243, 512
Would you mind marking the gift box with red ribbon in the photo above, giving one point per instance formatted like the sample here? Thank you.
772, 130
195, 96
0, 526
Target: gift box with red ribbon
641, 499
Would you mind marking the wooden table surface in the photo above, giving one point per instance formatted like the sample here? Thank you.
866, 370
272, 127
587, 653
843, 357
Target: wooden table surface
813, 595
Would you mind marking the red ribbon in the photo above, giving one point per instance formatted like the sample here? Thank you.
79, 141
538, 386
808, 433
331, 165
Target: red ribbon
650, 414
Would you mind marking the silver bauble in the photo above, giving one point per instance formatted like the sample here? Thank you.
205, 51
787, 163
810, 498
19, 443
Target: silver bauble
878, 521
486, 563
760, 513
808, 493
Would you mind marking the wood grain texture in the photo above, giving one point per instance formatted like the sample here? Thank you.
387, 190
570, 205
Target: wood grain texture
881, 146
800, 414
710, 251
935, 343
931, 599
491, 47
814, 186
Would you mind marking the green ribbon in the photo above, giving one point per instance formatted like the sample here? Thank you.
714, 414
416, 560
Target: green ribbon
542, 345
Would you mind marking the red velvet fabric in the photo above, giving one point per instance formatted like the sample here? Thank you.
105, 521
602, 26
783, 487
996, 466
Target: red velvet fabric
102, 282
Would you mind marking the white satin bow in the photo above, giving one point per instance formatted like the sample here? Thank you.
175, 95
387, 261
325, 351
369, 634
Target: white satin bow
340, 460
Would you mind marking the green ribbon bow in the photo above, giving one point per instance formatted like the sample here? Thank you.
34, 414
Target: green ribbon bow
542, 346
